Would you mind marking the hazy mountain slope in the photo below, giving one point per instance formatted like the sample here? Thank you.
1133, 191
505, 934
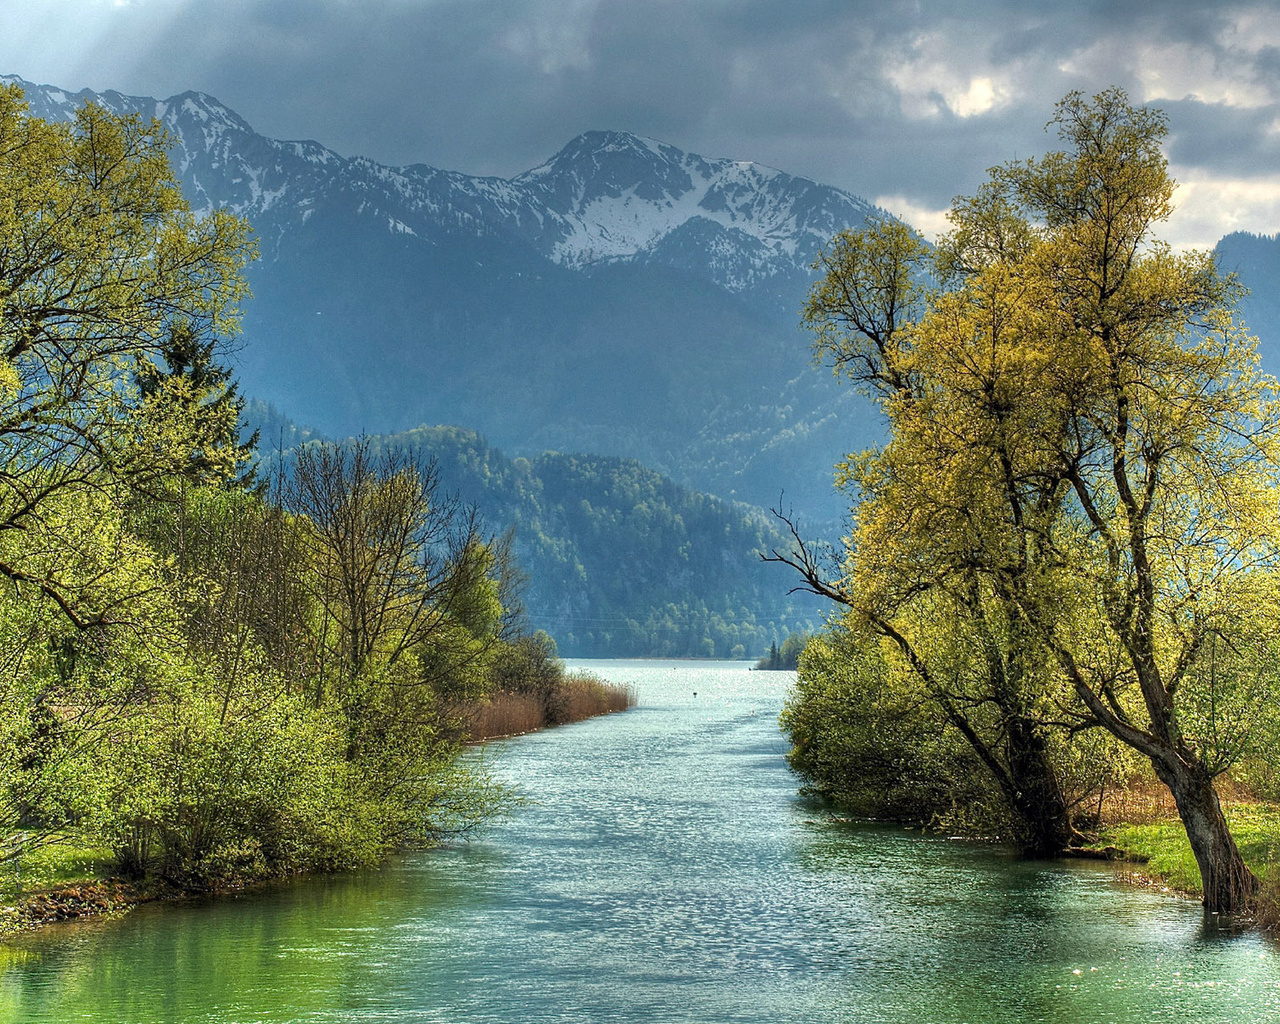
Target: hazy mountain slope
621, 561
1256, 259
625, 297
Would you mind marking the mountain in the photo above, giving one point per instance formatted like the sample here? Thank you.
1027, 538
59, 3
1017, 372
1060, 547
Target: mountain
1255, 259
621, 561
625, 297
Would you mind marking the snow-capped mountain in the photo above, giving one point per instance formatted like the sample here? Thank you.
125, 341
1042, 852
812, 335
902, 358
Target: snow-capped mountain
625, 297
616, 196
606, 196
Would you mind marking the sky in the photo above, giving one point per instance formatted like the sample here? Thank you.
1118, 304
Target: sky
904, 102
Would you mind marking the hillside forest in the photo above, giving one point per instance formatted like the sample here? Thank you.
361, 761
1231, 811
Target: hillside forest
617, 560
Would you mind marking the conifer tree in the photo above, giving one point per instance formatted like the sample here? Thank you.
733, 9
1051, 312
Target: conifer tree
189, 384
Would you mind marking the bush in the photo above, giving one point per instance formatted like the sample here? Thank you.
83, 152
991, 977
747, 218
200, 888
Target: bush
867, 744
202, 798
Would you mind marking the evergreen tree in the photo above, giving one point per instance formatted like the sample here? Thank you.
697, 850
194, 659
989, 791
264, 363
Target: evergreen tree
192, 385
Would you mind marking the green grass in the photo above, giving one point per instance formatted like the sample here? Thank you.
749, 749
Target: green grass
52, 866
1256, 828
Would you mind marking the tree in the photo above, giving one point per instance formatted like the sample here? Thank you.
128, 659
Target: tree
1082, 455
100, 258
396, 568
190, 387
915, 574
158, 648
1163, 562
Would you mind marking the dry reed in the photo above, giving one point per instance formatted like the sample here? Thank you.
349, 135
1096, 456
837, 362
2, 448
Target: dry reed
1147, 801
506, 714
577, 696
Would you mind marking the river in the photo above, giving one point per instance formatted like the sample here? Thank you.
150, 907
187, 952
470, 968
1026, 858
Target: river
662, 869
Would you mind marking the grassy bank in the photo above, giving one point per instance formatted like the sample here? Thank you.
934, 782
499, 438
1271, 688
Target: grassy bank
61, 882
1167, 853
75, 879
1156, 843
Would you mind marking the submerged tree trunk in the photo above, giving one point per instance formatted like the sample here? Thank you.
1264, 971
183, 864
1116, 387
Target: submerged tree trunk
1228, 883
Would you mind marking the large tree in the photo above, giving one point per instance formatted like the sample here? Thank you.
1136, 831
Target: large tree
101, 259
918, 574
1082, 455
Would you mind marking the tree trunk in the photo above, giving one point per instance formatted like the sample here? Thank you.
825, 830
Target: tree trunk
1227, 881
1042, 821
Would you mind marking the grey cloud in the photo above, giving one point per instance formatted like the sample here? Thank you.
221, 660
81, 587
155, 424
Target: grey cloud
1219, 138
496, 86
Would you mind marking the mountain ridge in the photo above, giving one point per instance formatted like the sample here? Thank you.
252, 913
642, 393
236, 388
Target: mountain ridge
605, 195
624, 297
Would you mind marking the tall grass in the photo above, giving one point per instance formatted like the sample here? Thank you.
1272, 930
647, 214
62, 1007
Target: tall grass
574, 697
586, 695
506, 714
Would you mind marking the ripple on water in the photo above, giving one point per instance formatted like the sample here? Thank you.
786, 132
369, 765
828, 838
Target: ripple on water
664, 870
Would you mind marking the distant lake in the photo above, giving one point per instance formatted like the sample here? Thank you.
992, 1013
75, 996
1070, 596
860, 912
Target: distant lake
663, 869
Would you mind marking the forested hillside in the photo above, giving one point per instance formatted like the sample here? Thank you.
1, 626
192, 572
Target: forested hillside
620, 560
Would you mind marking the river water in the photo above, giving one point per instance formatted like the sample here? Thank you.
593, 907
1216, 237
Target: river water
663, 869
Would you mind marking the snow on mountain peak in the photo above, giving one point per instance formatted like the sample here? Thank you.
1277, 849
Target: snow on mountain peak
605, 196
616, 195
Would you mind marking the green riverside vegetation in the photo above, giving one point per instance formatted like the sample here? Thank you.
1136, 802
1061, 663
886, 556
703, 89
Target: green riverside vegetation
1061, 578
209, 676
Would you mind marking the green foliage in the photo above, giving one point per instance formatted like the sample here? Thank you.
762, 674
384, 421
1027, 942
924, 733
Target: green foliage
1073, 524
100, 257
785, 657
201, 797
215, 686
862, 737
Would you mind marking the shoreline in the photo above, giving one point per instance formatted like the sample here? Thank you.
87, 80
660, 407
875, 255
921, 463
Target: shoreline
76, 901
106, 898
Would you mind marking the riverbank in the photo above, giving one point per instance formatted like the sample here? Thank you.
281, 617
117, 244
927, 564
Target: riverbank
66, 881
71, 881
1156, 852
664, 863
575, 697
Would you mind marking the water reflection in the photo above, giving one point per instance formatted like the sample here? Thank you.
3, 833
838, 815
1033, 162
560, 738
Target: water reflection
664, 870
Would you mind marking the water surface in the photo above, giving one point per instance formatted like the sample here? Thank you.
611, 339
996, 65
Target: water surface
663, 869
